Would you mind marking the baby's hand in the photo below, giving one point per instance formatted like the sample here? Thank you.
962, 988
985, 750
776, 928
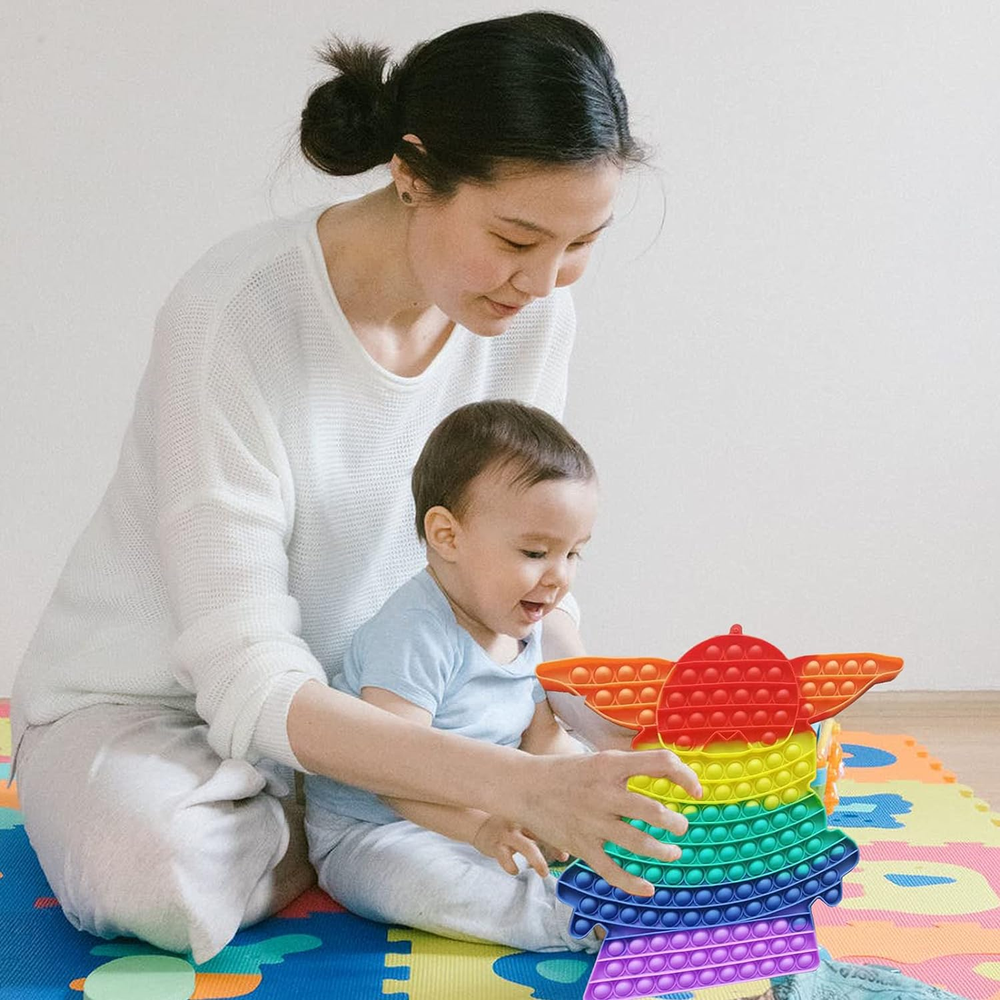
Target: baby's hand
500, 839
549, 852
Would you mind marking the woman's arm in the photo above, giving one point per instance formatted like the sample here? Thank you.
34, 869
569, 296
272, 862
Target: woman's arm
492, 836
457, 822
575, 802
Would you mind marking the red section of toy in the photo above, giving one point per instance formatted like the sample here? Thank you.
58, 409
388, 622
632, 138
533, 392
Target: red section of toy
730, 688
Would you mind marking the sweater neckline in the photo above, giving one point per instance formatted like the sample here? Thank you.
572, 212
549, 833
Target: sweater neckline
342, 327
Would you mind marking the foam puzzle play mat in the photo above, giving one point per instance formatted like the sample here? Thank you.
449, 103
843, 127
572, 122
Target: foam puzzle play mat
923, 898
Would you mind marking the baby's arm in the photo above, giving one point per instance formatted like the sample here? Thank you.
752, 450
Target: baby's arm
561, 639
490, 835
545, 735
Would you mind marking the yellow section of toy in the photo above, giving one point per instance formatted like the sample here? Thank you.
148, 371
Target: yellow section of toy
775, 775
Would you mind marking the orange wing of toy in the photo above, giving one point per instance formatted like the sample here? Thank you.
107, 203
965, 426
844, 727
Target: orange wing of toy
623, 691
828, 683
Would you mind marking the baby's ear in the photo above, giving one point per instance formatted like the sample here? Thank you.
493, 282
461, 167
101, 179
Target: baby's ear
442, 528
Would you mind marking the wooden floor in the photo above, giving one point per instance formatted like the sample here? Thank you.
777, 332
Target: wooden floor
959, 728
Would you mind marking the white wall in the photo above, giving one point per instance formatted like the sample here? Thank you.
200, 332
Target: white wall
791, 391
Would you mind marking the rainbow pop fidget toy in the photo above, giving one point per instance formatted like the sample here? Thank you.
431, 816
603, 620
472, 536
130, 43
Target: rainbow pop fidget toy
737, 904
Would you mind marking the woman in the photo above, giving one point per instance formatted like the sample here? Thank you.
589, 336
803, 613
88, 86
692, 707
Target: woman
260, 511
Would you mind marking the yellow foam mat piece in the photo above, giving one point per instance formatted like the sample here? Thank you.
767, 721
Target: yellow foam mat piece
968, 893
940, 814
443, 969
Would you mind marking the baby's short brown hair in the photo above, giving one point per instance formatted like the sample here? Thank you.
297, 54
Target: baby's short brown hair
499, 433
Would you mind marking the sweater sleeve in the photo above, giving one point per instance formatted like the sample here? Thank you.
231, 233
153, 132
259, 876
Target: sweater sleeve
226, 504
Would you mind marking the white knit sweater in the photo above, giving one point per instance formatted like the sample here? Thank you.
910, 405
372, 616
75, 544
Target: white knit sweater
261, 509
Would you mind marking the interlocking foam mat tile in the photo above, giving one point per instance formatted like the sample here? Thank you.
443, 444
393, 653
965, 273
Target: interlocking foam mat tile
924, 899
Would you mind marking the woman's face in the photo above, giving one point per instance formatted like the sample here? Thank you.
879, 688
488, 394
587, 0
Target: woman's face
489, 250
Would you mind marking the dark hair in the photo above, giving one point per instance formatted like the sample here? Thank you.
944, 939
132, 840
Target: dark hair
537, 87
499, 434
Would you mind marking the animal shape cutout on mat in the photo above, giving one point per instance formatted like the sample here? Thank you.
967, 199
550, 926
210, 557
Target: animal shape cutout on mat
737, 904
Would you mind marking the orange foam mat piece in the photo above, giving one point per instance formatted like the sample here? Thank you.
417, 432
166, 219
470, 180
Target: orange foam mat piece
913, 762
887, 940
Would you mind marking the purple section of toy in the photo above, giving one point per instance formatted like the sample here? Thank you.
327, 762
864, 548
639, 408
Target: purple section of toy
665, 963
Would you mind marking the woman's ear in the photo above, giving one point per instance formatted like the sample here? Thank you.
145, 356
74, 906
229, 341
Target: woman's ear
442, 530
409, 187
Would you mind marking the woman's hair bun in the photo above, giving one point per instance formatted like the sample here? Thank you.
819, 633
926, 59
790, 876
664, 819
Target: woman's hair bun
536, 87
349, 122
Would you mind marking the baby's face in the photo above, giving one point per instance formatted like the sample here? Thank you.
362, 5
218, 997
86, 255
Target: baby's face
517, 549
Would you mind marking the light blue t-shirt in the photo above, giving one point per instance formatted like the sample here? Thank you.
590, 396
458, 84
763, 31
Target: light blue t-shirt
414, 647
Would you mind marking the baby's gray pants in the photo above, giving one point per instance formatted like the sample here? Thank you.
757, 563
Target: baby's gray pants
401, 873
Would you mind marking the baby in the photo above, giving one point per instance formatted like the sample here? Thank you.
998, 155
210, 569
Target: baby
505, 500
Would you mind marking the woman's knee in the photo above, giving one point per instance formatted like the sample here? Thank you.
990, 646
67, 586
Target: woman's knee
189, 881
171, 852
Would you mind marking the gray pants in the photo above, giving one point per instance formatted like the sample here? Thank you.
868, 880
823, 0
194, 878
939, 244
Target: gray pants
142, 829
401, 873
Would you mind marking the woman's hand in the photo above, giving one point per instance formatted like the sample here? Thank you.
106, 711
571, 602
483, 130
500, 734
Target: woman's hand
578, 801
500, 839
